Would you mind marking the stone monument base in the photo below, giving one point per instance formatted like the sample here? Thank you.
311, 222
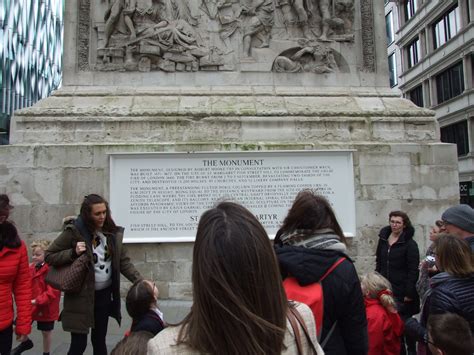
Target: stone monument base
60, 148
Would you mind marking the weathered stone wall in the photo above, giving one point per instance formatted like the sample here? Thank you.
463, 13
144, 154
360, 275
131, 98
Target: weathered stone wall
61, 147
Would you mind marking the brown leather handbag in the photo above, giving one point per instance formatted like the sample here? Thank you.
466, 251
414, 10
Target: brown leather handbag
69, 278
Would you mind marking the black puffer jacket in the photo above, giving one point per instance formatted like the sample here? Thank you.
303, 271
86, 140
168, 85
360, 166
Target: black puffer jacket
343, 300
399, 264
447, 294
454, 295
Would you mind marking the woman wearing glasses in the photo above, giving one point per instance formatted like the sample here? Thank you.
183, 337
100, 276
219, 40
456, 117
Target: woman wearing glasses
397, 259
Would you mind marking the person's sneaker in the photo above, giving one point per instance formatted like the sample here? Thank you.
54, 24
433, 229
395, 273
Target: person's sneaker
26, 345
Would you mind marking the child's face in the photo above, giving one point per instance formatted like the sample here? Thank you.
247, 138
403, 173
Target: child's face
154, 288
38, 255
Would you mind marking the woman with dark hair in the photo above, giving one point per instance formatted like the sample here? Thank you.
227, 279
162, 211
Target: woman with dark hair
93, 232
451, 290
15, 282
239, 303
311, 247
397, 259
142, 307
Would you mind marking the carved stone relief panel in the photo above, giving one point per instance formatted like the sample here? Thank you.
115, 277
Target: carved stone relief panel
221, 35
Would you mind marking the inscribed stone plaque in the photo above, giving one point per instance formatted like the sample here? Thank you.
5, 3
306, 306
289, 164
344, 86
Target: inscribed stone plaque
159, 197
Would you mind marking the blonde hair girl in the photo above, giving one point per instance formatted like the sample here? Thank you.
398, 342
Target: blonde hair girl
384, 325
376, 286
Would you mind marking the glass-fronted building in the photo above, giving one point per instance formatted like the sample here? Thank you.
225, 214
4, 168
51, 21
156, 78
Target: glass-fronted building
31, 35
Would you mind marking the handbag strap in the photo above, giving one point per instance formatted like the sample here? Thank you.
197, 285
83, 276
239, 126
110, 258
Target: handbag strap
296, 330
294, 312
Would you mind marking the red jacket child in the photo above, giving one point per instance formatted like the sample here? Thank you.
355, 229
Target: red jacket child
46, 307
385, 329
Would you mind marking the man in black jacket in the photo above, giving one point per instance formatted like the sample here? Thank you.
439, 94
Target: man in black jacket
459, 221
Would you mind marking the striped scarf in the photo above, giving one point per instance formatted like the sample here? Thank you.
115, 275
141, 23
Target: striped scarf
320, 239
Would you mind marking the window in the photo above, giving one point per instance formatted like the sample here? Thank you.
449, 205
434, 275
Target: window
392, 67
446, 27
450, 83
416, 95
413, 51
410, 9
389, 27
456, 133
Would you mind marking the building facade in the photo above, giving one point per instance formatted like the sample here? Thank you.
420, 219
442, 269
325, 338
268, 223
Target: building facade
430, 47
31, 34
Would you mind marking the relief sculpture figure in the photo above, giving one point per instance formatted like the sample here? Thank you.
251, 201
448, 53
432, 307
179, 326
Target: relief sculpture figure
325, 15
111, 18
302, 9
214, 35
141, 16
313, 57
344, 17
336, 19
258, 23
144, 40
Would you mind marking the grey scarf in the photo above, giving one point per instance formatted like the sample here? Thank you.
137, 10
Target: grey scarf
319, 239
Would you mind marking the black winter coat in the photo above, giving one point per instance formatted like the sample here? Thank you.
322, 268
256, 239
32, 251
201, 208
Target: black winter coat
454, 295
448, 294
399, 264
343, 300
150, 322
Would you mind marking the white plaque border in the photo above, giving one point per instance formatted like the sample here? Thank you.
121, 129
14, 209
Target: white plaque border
191, 238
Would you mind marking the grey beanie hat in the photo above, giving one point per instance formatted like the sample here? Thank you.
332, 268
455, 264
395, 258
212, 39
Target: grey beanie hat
461, 216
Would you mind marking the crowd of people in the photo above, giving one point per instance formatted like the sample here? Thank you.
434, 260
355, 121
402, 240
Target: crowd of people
300, 294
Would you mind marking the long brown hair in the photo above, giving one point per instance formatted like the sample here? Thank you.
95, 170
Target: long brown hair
453, 255
310, 212
86, 211
239, 302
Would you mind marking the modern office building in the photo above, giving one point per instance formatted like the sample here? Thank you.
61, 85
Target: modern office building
430, 47
31, 33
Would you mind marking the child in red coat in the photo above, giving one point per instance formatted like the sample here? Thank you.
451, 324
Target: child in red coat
384, 325
45, 299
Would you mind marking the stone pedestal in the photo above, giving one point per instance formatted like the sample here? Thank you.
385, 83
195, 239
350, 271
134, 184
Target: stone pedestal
60, 153
60, 147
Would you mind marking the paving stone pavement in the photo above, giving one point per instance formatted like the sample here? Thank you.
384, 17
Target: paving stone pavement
173, 310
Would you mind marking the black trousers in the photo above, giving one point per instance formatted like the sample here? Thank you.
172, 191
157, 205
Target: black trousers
102, 305
406, 310
6, 336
